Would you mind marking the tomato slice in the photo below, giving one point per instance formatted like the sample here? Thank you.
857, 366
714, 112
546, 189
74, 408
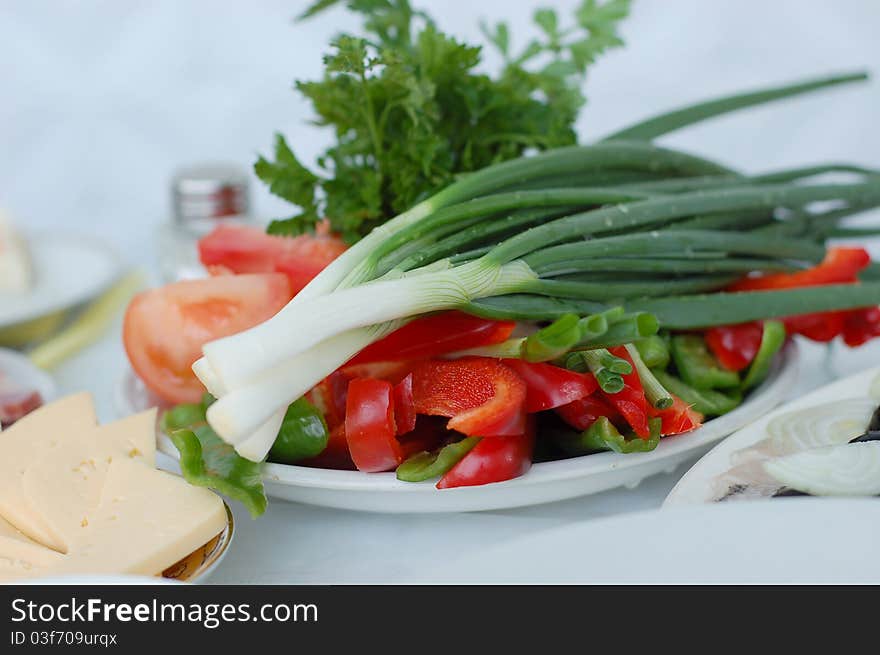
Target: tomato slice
248, 249
493, 459
482, 396
370, 429
735, 346
549, 386
631, 401
165, 328
404, 406
431, 336
678, 418
839, 266
582, 413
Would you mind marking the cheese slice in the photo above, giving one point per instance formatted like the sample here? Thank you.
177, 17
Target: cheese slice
32, 439
62, 489
21, 557
16, 270
146, 521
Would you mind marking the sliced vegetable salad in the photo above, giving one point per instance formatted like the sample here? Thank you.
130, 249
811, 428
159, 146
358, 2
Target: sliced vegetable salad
581, 299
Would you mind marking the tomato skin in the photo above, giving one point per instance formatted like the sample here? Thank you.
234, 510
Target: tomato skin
164, 329
735, 346
493, 459
549, 386
370, 429
431, 336
248, 249
631, 401
677, 419
481, 396
404, 406
840, 265
582, 413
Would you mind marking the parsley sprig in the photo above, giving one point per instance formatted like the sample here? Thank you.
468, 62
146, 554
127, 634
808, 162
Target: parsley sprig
411, 110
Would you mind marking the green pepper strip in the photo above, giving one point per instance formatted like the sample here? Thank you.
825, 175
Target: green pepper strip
654, 351
602, 435
697, 366
303, 434
771, 341
426, 465
704, 401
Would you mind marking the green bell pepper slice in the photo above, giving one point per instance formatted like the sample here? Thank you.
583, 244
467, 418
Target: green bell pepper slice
697, 366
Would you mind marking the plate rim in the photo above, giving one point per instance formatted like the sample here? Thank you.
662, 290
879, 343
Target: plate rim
70, 239
767, 396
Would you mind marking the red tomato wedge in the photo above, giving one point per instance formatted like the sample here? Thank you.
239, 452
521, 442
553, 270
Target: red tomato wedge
481, 396
431, 336
735, 346
582, 413
404, 406
248, 249
839, 266
549, 386
631, 401
165, 328
370, 429
493, 459
678, 418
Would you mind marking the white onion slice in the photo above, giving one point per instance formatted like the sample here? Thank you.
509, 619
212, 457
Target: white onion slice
842, 470
823, 425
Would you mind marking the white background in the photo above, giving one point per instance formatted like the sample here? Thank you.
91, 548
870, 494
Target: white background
100, 101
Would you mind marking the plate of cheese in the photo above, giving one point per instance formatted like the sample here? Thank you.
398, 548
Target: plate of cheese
78, 498
44, 274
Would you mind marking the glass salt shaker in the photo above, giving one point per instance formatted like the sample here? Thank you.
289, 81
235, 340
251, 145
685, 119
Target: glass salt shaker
203, 196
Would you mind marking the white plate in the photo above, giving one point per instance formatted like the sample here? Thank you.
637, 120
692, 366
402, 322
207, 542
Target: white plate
796, 540
68, 270
545, 482
700, 484
24, 375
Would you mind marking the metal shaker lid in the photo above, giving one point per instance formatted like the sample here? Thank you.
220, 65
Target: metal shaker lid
210, 190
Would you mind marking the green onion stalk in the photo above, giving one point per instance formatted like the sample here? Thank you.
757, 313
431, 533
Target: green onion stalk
651, 234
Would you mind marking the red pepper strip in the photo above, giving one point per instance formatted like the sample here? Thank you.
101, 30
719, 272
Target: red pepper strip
735, 346
678, 418
822, 327
840, 265
549, 386
431, 336
404, 407
861, 325
370, 428
335, 455
581, 414
329, 397
393, 372
631, 400
429, 434
493, 459
482, 396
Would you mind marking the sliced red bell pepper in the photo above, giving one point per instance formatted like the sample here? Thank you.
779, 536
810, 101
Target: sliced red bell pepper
861, 325
631, 401
481, 396
582, 413
840, 265
735, 346
822, 327
370, 428
430, 433
393, 372
678, 418
404, 406
549, 386
329, 397
431, 336
493, 459
335, 455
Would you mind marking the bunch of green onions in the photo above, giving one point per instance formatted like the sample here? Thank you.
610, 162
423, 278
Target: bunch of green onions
572, 231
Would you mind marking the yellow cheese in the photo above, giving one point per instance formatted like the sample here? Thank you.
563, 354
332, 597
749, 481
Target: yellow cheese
146, 521
21, 557
32, 439
61, 489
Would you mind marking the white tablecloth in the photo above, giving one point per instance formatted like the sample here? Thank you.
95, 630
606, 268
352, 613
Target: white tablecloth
298, 544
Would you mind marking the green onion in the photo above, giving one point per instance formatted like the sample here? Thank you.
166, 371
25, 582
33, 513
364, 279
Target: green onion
629, 328
704, 401
609, 380
654, 391
654, 351
554, 340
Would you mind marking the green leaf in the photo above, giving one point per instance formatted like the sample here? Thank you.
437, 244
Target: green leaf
548, 21
288, 179
499, 37
316, 8
426, 465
